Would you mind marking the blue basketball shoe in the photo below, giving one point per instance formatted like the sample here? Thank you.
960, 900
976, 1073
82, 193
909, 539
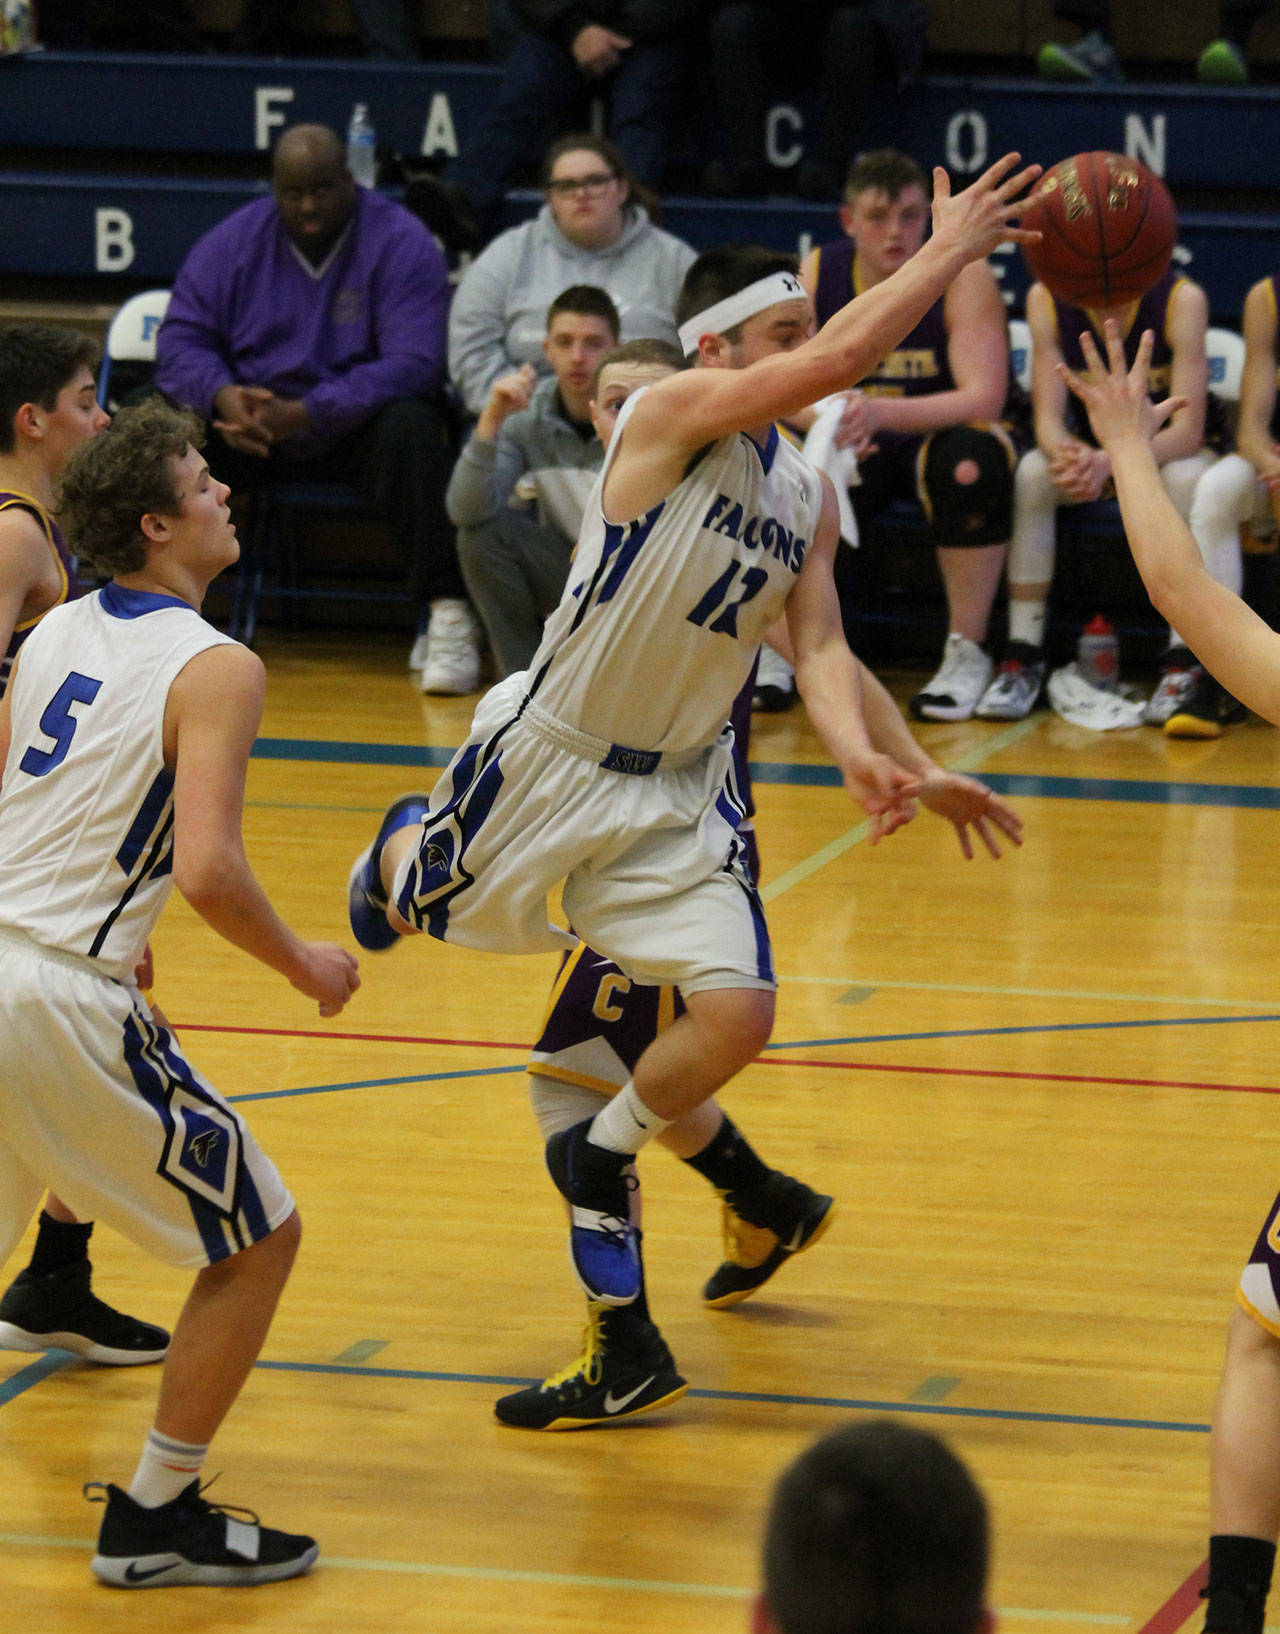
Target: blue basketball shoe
366, 899
602, 1242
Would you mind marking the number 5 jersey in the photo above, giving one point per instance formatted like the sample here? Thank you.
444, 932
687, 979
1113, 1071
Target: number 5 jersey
86, 805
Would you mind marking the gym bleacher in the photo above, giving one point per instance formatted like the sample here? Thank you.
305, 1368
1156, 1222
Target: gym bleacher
112, 165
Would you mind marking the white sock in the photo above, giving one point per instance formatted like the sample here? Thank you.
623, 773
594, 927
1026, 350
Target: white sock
1026, 621
626, 1123
166, 1468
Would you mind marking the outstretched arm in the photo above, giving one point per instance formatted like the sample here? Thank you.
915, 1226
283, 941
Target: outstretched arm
694, 408
211, 719
829, 679
1229, 638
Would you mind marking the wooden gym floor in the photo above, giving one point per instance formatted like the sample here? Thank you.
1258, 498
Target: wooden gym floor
1038, 1089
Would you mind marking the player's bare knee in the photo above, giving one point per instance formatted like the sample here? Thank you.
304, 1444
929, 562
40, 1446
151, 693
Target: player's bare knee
738, 1021
1248, 1340
281, 1245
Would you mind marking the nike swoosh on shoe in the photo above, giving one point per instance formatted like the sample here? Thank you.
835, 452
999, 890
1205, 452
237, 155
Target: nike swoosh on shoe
615, 1404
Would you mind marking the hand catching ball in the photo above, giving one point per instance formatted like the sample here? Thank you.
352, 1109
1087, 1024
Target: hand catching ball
1109, 229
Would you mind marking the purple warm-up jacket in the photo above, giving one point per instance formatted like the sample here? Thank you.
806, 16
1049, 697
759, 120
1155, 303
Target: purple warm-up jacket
364, 328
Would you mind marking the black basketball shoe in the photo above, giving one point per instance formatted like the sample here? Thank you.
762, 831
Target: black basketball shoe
625, 1369
190, 1540
763, 1226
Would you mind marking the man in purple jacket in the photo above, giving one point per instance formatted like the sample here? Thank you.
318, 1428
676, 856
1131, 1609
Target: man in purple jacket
309, 329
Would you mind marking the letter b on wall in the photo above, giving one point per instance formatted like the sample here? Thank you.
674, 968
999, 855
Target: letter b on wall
112, 240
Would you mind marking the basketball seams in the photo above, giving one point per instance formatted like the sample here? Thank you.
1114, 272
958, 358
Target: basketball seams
1102, 258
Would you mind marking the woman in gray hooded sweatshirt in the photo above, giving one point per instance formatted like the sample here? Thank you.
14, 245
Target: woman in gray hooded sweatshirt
593, 229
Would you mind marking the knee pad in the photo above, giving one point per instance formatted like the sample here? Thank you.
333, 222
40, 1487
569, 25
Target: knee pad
558, 1105
967, 513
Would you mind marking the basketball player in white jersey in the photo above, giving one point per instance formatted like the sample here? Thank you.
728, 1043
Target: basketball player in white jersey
607, 765
124, 736
48, 409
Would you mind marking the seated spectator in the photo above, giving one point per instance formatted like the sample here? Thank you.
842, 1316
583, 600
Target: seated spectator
1066, 467
843, 47
1242, 489
878, 1528
1093, 56
114, 25
561, 57
533, 441
595, 228
309, 327
388, 29
930, 421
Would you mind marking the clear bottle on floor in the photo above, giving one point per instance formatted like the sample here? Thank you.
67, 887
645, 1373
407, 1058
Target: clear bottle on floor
1098, 654
362, 147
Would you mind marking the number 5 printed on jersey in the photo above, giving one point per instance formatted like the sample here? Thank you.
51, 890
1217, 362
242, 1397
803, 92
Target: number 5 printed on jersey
59, 724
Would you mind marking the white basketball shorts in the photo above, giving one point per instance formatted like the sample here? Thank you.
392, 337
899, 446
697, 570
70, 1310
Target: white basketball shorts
653, 867
98, 1104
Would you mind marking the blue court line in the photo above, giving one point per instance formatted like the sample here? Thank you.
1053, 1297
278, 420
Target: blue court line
773, 1399
374, 1083
1034, 786
360, 754
786, 1044
777, 771
55, 1359
51, 1362
1043, 1027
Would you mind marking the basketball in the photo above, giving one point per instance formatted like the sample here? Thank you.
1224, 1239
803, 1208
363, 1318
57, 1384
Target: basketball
1109, 228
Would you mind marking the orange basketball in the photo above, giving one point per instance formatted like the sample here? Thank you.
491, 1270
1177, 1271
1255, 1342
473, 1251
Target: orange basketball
1109, 228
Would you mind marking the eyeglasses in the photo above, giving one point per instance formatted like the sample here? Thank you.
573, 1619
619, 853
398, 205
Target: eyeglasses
581, 184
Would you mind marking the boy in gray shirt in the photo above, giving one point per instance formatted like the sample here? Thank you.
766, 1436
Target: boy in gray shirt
533, 447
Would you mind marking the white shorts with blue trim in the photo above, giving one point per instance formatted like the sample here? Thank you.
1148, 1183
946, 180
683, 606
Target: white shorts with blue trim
653, 868
98, 1105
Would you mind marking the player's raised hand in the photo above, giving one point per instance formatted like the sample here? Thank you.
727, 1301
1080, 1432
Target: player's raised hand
329, 975
1115, 395
884, 790
983, 215
969, 805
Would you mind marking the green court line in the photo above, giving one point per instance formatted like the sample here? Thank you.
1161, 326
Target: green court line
572, 1580
969, 763
938, 1388
362, 1351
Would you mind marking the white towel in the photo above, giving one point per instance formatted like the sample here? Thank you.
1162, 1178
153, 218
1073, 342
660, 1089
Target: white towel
840, 464
1084, 704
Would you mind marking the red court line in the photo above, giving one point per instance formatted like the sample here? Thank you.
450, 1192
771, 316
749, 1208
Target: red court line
761, 1061
359, 1038
1180, 1604
1039, 1077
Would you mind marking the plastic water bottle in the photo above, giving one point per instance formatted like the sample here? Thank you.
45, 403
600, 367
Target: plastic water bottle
362, 152
1098, 654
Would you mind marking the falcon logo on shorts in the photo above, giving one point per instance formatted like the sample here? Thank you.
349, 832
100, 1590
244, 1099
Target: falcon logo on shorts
200, 1148
203, 1153
438, 856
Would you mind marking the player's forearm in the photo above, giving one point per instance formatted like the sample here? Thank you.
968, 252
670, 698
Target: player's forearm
1255, 443
935, 410
888, 732
1163, 549
856, 337
829, 679
1182, 438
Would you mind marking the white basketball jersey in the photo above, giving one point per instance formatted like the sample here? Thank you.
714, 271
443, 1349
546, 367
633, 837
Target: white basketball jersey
86, 806
661, 618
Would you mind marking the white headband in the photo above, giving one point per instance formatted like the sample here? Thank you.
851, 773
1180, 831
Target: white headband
736, 309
